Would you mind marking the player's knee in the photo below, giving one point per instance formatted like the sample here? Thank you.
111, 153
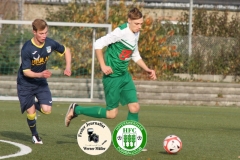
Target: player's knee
46, 111
31, 116
134, 108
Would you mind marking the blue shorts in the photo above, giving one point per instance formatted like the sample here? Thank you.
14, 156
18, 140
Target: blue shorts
27, 95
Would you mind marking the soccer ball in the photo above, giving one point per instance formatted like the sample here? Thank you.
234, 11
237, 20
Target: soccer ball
172, 144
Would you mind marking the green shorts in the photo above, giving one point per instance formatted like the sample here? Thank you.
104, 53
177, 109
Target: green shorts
119, 90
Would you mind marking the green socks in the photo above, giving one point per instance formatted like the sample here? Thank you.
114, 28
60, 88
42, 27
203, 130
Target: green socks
97, 112
132, 116
100, 112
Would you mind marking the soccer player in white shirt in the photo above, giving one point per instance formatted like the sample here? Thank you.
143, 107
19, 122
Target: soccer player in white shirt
122, 46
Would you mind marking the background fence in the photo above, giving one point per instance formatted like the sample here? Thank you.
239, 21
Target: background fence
15, 33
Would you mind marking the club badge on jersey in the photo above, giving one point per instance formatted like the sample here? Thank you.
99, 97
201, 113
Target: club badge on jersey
125, 55
48, 49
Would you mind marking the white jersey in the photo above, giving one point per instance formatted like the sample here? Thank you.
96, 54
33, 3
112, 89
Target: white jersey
122, 46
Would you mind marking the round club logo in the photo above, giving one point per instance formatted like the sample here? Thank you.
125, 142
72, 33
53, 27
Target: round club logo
94, 137
129, 137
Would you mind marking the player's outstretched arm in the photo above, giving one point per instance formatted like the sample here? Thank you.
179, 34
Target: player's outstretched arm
151, 72
68, 59
43, 74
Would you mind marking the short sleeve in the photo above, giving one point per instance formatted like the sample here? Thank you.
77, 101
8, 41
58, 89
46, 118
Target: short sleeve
58, 47
26, 59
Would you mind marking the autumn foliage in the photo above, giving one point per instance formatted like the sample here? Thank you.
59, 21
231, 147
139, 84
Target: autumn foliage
153, 44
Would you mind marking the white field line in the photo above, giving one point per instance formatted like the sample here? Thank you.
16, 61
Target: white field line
23, 150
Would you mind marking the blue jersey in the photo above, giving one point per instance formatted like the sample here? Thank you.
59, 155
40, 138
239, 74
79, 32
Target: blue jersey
35, 58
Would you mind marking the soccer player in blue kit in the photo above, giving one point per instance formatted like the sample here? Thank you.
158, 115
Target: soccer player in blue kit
33, 74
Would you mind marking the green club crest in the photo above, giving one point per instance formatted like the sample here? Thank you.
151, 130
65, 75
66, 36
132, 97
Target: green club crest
129, 137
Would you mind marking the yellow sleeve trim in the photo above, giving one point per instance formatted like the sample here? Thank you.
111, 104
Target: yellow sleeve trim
61, 54
65, 48
26, 70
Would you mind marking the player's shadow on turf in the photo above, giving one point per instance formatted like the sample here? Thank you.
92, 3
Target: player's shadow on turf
65, 142
162, 152
74, 137
15, 135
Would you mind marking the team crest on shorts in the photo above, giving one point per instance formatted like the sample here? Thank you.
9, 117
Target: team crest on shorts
129, 137
94, 137
48, 48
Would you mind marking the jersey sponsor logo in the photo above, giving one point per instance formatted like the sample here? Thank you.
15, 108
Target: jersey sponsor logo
39, 61
48, 48
34, 52
37, 57
125, 54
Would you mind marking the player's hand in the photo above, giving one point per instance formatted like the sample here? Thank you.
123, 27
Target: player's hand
46, 74
67, 72
107, 70
152, 75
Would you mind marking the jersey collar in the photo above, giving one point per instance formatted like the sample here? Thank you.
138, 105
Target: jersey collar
38, 46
